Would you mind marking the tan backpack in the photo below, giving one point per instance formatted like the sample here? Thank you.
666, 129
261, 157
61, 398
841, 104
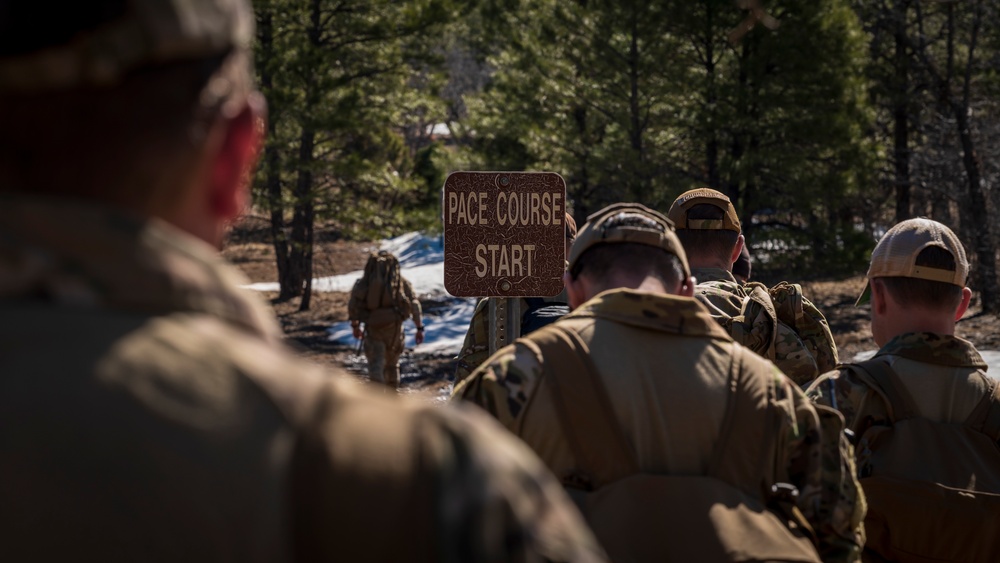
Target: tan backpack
646, 517
780, 324
379, 297
933, 488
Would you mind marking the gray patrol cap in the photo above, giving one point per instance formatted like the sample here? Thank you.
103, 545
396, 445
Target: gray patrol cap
124, 35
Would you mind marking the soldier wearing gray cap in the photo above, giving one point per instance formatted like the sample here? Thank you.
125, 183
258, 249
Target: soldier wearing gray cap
677, 443
924, 414
149, 408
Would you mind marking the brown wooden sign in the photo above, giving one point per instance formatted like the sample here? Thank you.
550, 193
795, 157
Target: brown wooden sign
504, 234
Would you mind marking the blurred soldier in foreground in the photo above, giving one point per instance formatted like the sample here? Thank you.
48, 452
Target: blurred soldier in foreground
778, 323
536, 312
148, 408
677, 443
925, 414
383, 299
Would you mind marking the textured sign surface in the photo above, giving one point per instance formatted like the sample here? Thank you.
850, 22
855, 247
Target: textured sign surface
504, 234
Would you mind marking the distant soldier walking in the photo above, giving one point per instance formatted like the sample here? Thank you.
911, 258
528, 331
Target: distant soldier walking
677, 443
925, 415
382, 299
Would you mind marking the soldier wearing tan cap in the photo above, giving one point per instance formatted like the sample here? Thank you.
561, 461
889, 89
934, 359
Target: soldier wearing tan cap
150, 410
778, 323
924, 414
679, 444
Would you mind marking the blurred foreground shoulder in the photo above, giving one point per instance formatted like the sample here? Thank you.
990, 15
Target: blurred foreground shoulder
382, 479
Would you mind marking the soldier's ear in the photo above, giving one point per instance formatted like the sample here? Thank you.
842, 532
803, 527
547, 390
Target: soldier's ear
964, 305
878, 299
575, 290
233, 163
737, 250
687, 287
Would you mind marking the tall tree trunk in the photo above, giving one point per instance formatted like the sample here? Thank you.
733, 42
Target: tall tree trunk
985, 249
711, 100
901, 115
303, 214
272, 162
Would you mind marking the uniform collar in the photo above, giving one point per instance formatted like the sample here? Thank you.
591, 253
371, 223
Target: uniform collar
931, 348
656, 311
85, 255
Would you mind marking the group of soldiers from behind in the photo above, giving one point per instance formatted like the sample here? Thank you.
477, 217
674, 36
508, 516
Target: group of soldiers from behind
151, 411
640, 399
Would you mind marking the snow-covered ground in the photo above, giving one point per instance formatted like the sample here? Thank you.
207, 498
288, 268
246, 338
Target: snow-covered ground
447, 318
421, 257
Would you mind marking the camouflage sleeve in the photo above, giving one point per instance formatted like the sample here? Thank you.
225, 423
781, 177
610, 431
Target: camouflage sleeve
416, 310
475, 348
382, 479
505, 505
504, 384
354, 304
820, 463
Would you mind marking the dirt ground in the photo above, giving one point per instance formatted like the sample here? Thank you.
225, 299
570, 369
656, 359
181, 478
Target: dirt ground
249, 247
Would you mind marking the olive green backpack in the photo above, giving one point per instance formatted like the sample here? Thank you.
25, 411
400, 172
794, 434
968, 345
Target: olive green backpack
933, 488
379, 297
780, 324
649, 517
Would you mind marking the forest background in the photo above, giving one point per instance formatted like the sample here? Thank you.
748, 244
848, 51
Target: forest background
826, 121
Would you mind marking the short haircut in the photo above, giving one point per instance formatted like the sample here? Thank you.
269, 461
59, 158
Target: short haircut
717, 244
599, 261
129, 144
926, 293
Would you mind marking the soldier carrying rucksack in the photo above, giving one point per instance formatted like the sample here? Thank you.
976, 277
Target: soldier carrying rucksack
925, 416
776, 322
382, 299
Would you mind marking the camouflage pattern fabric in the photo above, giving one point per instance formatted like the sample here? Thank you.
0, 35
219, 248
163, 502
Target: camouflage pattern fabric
944, 374
476, 346
639, 335
150, 409
800, 343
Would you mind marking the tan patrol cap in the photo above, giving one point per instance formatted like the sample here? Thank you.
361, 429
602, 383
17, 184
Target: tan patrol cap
601, 228
38, 56
896, 253
679, 210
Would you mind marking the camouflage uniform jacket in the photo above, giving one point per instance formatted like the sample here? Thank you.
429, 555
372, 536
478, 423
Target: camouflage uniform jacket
945, 375
149, 411
665, 364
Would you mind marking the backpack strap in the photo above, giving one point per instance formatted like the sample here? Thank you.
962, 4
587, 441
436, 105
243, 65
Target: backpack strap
879, 375
588, 422
986, 416
757, 292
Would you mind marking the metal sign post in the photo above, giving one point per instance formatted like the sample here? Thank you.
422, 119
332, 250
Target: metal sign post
505, 325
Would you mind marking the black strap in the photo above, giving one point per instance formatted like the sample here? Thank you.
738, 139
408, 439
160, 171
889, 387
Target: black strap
588, 421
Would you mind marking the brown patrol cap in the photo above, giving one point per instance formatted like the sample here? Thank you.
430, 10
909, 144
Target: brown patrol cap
605, 227
95, 43
896, 253
678, 212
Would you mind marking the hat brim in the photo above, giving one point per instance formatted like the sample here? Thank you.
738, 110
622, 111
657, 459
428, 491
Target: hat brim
866, 295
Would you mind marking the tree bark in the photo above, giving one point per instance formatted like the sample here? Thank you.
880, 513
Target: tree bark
901, 116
